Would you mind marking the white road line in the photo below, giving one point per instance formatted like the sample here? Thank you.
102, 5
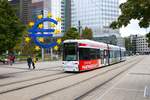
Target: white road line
147, 91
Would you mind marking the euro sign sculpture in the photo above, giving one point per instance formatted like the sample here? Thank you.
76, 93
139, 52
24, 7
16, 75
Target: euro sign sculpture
37, 31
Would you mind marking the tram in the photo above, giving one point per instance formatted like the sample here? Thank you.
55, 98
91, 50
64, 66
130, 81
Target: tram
82, 55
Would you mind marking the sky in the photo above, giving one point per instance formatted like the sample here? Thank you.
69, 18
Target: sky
132, 28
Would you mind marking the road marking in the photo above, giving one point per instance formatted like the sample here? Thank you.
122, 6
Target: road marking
147, 91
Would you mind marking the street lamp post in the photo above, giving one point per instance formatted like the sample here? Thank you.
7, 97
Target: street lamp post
79, 28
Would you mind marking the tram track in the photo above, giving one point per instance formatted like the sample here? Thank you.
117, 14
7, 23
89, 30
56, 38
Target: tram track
38, 83
46, 81
85, 80
96, 87
34, 78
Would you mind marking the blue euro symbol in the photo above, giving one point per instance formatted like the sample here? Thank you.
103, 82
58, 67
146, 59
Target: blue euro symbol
35, 29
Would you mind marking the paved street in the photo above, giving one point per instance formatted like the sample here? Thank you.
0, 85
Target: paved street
123, 81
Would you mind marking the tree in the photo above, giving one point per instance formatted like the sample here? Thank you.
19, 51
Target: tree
11, 28
112, 40
128, 45
87, 33
31, 49
134, 9
72, 33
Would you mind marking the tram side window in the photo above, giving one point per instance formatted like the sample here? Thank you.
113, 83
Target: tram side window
123, 53
111, 54
101, 54
117, 53
95, 54
98, 53
89, 54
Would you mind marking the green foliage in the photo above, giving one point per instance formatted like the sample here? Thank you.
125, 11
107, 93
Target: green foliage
87, 33
112, 40
11, 28
133, 9
72, 33
128, 44
29, 49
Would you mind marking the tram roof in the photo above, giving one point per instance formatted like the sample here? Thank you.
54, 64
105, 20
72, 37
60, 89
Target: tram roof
88, 43
113, 47
94, 44
84, 41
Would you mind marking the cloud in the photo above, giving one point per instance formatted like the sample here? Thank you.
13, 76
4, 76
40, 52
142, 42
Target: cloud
133, 28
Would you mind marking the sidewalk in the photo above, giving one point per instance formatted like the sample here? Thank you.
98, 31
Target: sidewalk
5, 68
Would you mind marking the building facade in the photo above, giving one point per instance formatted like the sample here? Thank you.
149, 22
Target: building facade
52, 6
66, 14
23, 8
133, 40
16, 5
139, 44
37, 8
142, 45
95, 14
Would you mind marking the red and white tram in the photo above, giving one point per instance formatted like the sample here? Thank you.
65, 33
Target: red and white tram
82, 55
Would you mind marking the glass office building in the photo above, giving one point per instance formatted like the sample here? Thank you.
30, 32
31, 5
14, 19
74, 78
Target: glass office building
23, 9
66, 14
95, 14
45, 6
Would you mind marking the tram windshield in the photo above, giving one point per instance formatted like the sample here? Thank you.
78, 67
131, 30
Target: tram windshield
70, 52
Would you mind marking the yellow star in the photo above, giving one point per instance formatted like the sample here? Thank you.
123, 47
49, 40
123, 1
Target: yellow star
41, 39
59, 41
58, 19
57, 31
37, 48
56, 48
31, 24
27, 39
40, 16
40, 26
49, 15
52, 25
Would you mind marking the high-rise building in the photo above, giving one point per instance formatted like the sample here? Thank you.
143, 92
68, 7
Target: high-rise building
66, 14
95, 14
16, 5
23, 8
45, 6
37, 9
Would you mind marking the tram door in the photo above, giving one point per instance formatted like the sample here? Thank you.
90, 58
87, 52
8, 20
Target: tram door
104, 57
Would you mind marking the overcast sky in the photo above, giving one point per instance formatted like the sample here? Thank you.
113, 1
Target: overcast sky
132, 28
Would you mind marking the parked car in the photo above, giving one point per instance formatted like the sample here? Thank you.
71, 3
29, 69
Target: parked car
4, 60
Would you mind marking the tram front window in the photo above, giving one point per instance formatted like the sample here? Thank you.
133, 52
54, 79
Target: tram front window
70, 52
